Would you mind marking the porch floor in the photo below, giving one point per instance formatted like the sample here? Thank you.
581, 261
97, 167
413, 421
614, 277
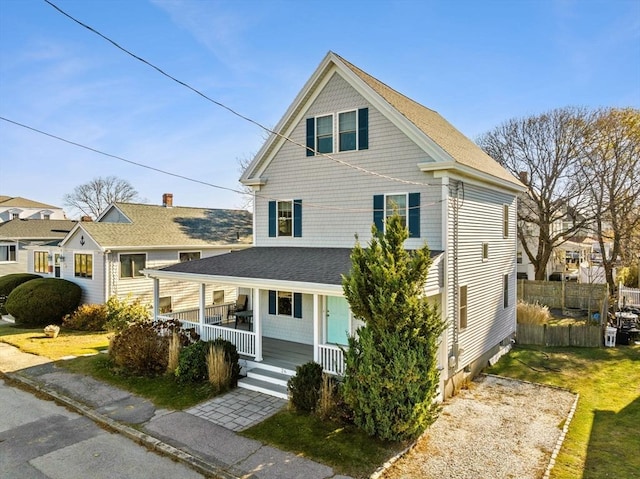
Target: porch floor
285, 354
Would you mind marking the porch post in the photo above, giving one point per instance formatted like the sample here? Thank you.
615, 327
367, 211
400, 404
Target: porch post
316, 327
156, 298
203, 288
257, 322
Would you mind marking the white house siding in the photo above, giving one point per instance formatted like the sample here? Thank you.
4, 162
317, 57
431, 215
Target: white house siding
480, 220
20, 265
340, 205
6, 213
288, 328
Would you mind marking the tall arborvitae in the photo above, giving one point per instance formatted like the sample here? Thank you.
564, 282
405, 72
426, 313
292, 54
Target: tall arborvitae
391, 375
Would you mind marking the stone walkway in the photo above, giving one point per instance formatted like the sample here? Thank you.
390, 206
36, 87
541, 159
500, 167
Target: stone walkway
238, 409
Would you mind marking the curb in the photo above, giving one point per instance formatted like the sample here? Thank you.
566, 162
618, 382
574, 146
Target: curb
150, 442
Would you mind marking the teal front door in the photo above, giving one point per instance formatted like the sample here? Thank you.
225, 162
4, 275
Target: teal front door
337, 320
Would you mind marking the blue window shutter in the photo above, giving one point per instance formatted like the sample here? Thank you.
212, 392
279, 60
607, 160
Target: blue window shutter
272, 302
311, 136
273, 219
414, 215
297, 218
363, 129
378, 212
297, 305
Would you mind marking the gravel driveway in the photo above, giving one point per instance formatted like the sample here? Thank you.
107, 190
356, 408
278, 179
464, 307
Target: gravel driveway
498, 428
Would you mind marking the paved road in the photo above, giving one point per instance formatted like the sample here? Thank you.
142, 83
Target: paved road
41, 440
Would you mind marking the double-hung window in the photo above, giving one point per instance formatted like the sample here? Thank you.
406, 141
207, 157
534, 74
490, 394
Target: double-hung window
132, 264
285, 303
83, 265
407, 205
285, 218
7, 252
351, 127
347, 131
40, 262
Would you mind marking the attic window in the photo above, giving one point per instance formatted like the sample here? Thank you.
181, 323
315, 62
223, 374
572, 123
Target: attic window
352, 132
324, 134
347, 130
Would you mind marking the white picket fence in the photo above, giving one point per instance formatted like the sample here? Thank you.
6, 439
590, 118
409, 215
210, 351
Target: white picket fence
628, 296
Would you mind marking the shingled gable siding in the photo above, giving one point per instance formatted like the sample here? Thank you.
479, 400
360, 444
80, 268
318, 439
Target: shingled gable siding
480, 220
341, 196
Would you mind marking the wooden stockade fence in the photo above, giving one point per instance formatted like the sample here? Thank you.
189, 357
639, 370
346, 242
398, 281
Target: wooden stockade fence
586, 336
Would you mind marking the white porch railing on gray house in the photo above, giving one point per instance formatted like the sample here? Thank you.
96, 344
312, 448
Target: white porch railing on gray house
331, 358
245, 341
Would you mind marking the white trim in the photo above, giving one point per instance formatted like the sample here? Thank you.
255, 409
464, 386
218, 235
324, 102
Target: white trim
457, 171
73, 265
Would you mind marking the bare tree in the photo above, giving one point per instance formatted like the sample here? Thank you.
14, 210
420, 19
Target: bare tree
611, 167
544, 151
93, 197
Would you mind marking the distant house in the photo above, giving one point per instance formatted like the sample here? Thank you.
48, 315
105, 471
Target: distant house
15, 207
106, 257
358, 150
17, 236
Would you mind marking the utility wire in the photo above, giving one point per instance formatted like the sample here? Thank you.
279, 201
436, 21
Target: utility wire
187, 178
231, 110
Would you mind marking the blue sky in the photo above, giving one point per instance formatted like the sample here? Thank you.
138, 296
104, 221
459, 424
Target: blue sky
478, 63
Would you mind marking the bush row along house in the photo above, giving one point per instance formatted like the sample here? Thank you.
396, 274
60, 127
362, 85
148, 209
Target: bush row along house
349, 152
106, 257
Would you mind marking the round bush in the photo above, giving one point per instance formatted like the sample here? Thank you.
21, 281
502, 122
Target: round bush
304, 387
10, 282
88, 317
43, 301
139, 349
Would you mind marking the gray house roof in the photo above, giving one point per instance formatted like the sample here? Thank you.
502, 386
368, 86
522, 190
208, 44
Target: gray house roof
21, 229
160, 226
18, 201
302, 265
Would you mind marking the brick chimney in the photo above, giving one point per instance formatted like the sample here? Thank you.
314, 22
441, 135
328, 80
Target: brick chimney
86, 219
167, 200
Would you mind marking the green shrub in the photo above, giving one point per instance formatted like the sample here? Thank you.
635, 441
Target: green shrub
88, 317
304, 387
43, 301
10, 282
382, 405
140, 349
121, 313
192, 363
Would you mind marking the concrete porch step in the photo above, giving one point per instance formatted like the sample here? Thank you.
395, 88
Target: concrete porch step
265, 387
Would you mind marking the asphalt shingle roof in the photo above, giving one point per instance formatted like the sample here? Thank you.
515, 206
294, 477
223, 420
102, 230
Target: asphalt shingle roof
36, 229
18, 201
305, 265
153, 225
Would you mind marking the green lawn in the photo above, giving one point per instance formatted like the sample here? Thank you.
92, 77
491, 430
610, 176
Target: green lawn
68, 343
344, 447
604, 435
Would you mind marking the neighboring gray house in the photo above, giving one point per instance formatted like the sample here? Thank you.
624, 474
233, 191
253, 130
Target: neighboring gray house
348, 149
106, 257
15, 207
18, 235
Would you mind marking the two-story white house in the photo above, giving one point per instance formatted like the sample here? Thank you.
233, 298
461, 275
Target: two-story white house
16, 207
106, 257
347, 150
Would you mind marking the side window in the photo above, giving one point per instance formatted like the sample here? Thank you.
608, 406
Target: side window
347, 127
83, 265
505, 221
462, 308
40, 262
132, 264
324, 134
189, 256
8, 252
505, 289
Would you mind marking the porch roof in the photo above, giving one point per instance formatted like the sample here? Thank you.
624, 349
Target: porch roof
290, 264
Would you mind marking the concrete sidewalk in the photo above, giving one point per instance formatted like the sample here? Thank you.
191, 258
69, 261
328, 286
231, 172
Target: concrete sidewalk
209, 448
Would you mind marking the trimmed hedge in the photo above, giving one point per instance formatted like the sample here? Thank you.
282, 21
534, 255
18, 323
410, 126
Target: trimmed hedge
10, 282
43, 301
304, 387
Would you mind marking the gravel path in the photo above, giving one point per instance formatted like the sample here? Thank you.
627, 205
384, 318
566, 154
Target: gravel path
497, 429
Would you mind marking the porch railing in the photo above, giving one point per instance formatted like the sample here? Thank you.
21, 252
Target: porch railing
332, 359
245, 341
213, 314
628, 296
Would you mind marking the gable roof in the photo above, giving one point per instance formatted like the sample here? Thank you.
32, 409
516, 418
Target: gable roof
17, 201
160, 226
36, 229
428, 128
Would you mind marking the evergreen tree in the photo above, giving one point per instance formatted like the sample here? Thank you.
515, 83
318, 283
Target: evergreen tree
391, 377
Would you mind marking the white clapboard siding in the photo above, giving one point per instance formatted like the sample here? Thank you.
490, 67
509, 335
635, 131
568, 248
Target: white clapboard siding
337, 201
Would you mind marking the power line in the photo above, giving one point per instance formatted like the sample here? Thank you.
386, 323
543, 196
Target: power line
194, 180
231, 110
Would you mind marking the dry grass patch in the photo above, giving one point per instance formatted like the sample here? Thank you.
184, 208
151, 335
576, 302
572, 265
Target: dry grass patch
528, 313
